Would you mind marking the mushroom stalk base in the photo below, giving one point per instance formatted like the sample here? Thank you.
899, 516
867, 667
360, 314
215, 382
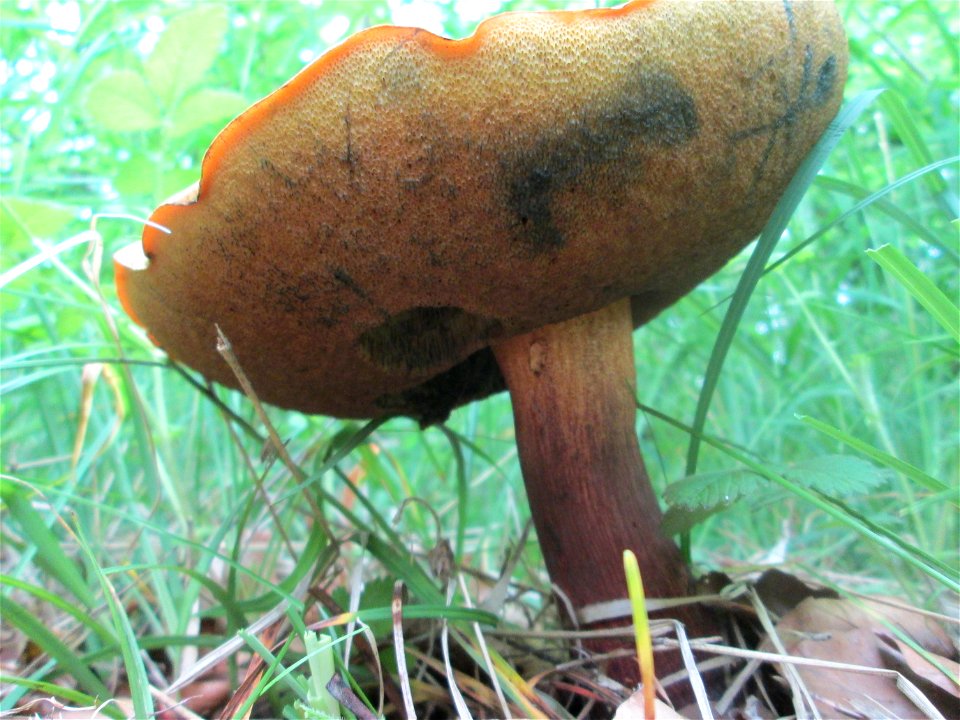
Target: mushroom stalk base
572, 387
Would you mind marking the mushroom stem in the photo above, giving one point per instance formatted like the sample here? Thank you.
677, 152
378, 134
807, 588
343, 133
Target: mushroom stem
574, 411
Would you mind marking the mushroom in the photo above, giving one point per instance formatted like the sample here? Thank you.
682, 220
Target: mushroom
412, 223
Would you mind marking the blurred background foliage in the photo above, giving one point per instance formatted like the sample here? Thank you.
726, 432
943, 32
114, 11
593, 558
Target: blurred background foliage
107, 108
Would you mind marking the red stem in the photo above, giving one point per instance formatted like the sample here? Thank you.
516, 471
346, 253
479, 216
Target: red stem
574, 410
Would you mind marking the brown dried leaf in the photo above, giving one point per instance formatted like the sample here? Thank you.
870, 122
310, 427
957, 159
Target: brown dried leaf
942, 689
842, 631
838, 692
904, 659
782, 592
923, 629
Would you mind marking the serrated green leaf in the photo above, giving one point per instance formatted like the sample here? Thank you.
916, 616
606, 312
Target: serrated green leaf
901, 466
122, 102
836, 475
896, 545
204, 106
680, 519
185, 51
708, 490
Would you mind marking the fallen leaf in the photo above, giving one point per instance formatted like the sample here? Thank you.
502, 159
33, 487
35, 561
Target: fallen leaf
782, 592
842, 631
940, 687
923, 629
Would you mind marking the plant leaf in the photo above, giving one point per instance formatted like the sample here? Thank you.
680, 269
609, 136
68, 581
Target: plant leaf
680, 519
50, 555
122, 102
895, 463
836, 475
129, 649
185, 51
205, 106
22, 619
714, 489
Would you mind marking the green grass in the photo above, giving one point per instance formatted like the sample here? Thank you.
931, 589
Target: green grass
136, 502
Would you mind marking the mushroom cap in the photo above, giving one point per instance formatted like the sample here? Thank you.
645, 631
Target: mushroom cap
363, 234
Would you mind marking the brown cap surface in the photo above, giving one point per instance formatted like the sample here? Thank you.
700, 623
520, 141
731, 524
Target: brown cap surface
365, 232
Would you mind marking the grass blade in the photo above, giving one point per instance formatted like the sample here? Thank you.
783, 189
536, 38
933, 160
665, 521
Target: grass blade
65, 657
641, 631
62, 604
129, 648
50, 555
920, 287
769, 237
75, 697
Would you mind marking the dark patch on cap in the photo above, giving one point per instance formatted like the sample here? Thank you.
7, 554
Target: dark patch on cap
826, 80
431, 402
811, 93
791, 19
653, 109
424, 337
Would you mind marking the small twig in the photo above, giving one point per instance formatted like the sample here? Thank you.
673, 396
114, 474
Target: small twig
345, 695
206, 389
440, 557
690, 663
800, 694
485, 651
463, 712
258, 479
396, 609
235, 643
225, 349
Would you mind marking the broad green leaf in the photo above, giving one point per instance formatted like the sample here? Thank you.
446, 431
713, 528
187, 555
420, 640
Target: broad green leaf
185, 51
23, 218
836, 475
205, 106
135, 176
122, 102
920, 287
